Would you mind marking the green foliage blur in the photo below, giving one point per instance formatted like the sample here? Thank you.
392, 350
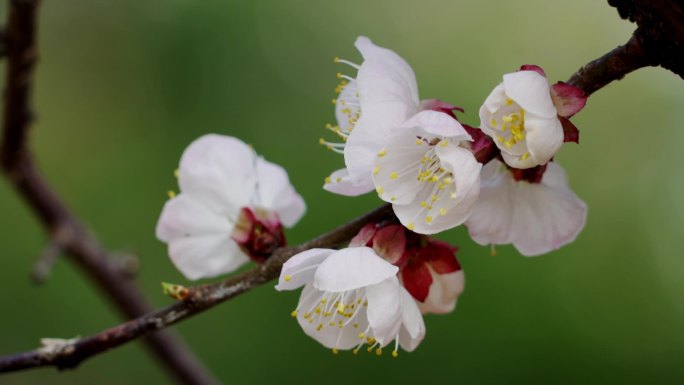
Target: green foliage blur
123, 86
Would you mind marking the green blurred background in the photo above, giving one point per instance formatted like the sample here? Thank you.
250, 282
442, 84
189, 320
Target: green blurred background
123, 86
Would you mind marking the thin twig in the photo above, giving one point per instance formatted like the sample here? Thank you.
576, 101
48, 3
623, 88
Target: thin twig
200, 298
79, 245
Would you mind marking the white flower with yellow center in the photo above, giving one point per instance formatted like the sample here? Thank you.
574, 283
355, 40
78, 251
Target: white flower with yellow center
428, 174
230, 208
536, 216
369, 106
520, 116
351, 298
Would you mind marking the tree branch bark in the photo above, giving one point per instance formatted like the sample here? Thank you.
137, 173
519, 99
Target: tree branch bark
200, 298
64, 229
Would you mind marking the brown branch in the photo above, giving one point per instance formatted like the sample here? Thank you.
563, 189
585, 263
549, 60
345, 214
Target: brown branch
78, 244
612, 66
200, 298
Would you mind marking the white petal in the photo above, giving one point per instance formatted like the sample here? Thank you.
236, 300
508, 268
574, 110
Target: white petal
388, 96
435, 123
347, 106
447, 212
186, 216
546, 217
219, 170
531, 91
444, 291
516, 161
352, 268
495, 100
274, 192
341, 183
206, 256
384, 309
395, 173
300, 269
492, 218
544, 137
413, 327
391, 69
329, 336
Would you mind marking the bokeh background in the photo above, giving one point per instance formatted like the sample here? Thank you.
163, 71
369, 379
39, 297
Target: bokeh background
123, 86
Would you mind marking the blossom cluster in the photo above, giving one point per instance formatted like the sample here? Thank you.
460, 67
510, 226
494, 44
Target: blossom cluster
499, 180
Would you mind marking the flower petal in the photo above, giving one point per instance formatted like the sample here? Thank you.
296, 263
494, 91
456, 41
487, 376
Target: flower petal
444, 292
332, 337
186, 216
412, 329
547, 215
396, 168
206, 256
219, 170
434, 123
492, 217
352, 268
544, 137
341, 183
300, 269
347, 108
384, 309
531, 91
388, 95
275, 192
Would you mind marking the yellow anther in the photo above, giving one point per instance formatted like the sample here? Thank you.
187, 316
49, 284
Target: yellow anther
319, 327
334, 101
340, 307
394, 175
324, 301
171, 194
419, 141
525, 156
442, 211
361, 335
370, 349
395, 354
423, 204
318, 310
332, 323
335, 351
493, 122
340, 324
378, 351
428, 219
338, 75
338, 179
287, 278
393, 198
382, 152
410, 226
376, 170
434, 178
355, 325
380, 190
355, 351
435, 198
328, 180
507, 118
492, 250
321, 141
336, 59
443, 143
294, 313
176, 173
509, 101
310, 320
307, 315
